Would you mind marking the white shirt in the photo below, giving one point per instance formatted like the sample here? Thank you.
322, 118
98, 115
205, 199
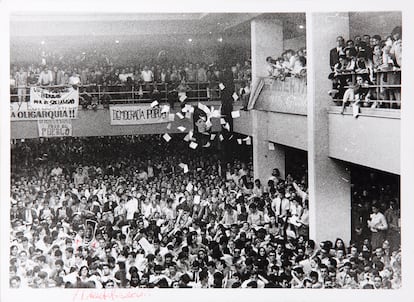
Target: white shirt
377, 222
131, 208
147, 76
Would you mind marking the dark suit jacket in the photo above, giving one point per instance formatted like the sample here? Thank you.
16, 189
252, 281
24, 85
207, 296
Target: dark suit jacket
333, 57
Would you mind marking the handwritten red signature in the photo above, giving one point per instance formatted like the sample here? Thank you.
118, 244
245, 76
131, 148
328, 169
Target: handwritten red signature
108, 294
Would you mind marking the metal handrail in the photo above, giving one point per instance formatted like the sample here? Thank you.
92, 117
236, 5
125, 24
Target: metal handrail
203, 91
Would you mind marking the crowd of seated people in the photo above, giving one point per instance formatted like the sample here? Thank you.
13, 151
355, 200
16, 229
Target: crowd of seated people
107, 79
105, 212
366, 71
290, 63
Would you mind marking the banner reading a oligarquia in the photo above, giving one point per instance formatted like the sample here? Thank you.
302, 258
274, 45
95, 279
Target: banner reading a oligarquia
24, 112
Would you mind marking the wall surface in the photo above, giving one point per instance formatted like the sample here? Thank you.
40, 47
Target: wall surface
329, 180
97, 123
373, 23
367, 140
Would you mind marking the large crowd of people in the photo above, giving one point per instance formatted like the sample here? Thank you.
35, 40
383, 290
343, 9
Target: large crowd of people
290, 63
107, 78
137, 211
366, 71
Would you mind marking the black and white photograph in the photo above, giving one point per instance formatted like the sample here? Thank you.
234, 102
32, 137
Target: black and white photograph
250, 153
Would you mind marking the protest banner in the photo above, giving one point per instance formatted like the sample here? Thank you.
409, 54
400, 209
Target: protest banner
24, 112
49, 98
137, 114
54, 128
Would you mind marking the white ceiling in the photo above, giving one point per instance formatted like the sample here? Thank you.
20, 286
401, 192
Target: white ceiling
126, 24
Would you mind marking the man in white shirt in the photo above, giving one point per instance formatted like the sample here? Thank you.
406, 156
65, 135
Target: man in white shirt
378, 226
45, 77
147, 75
131, 207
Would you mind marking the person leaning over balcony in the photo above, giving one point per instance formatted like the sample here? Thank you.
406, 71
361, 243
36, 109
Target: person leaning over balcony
359, 92
290, 55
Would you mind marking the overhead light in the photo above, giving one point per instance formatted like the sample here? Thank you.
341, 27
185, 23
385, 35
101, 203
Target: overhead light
218, 23
210, 32
42, 42
190, 40
220, 39
117, 41
301, 26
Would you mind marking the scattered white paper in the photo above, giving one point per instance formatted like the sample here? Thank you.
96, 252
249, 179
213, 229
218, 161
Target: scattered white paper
197, 199
182, 97
227, 126
212, 136
222, 121
184, 167
239, 141
165, 109
188, 115
204, 108
167, 137
221, 85
153, 104
193, 145
248, 141
207, 145
187, 108
171, 117
169, 125
271, 146
179, 114
189, 136
235, 114
146, 246
189, 187
215, 113
209, 124
235, 96
221, 137
181, 128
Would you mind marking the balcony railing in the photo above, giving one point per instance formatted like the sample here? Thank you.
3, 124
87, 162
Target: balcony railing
124, 93
384, 89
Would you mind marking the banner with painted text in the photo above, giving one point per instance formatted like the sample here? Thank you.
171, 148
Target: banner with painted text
54, 128
54, 97
137, 114
24, 112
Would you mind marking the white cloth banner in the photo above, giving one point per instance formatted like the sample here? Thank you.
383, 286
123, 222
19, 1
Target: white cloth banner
49, 98
54, 128
137, 114
24, 112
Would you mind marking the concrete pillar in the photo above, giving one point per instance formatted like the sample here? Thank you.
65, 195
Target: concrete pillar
266, 40
329, 179
264, 159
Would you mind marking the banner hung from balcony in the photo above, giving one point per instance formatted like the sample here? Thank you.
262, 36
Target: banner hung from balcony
54, 128
54, 97
25, 112
137, 114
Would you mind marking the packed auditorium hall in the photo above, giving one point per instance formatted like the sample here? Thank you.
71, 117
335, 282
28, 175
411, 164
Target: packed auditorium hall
184, 150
